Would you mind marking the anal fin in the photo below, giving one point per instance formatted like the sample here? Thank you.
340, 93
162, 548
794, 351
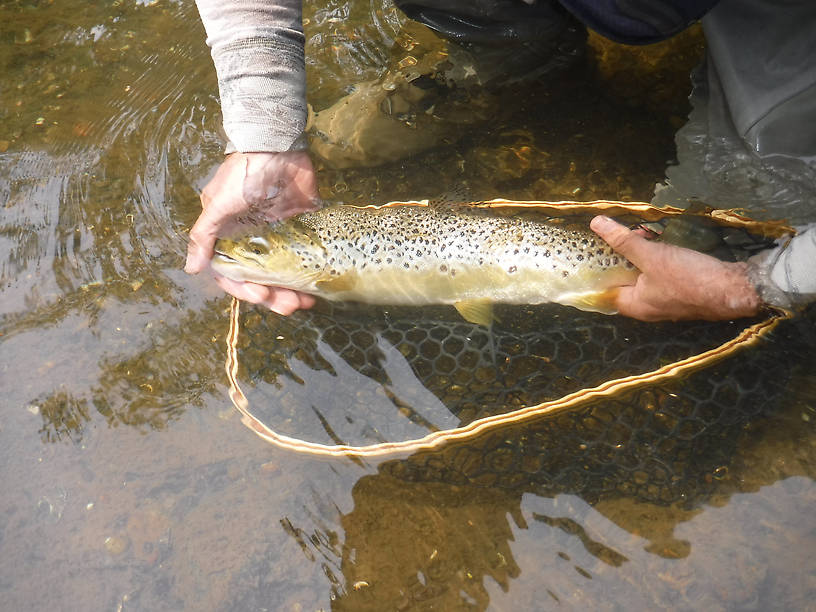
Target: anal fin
478, 311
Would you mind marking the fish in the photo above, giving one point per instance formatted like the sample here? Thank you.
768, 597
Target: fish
413, 254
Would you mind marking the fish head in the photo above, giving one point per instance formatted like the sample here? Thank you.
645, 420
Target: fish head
286, 254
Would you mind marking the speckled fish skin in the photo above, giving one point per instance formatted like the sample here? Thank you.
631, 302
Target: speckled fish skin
415, 255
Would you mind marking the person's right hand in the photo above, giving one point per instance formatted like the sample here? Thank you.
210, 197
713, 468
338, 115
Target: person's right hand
676, 283
255, 187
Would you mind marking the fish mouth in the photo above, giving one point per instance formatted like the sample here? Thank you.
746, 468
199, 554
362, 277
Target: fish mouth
223, 258
225, 265
237, 270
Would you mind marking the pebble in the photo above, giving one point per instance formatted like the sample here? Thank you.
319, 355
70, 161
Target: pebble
116, 545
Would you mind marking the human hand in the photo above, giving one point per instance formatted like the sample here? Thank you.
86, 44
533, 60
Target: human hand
676, 283
259, 188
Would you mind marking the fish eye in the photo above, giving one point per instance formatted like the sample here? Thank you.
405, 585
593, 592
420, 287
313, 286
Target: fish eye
258, 245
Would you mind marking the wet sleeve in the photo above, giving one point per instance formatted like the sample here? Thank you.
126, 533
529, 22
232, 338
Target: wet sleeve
258, 50
786, 275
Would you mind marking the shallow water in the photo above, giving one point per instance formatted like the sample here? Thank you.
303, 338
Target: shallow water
128, 480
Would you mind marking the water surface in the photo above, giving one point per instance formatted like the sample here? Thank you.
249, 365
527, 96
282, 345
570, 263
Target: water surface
129, 482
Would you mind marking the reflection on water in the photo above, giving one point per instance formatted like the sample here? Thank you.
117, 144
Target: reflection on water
130, 484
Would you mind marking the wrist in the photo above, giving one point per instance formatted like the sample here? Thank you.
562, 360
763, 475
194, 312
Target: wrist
741, 298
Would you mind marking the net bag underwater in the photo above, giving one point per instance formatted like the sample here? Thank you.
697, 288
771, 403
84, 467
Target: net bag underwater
550, 397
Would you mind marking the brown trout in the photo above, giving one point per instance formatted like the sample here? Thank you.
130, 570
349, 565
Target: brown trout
418, 255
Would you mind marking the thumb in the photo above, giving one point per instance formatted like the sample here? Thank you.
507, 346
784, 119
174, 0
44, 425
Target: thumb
624, 241
198, 258
200, 245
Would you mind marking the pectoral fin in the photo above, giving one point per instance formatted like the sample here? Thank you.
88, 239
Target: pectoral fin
476, 311
605, 302
338, 284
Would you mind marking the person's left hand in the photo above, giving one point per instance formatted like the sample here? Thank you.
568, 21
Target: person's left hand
676, 283
261, 187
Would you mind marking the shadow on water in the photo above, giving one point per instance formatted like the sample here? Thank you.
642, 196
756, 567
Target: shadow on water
129, 482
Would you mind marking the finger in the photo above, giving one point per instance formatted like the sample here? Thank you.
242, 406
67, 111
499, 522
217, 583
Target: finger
198, 257
249, 292
286, 301
277, 299
630, 305
200, 247
624, 241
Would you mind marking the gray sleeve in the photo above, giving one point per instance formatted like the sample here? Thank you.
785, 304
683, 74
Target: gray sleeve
257, 47
786, 275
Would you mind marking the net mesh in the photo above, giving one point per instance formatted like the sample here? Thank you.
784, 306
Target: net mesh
361, 375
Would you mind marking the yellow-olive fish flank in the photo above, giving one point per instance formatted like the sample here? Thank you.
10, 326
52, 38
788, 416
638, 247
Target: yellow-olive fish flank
417, 255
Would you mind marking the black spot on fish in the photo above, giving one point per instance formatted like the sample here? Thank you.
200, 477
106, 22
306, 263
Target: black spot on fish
443, 268
511, 269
